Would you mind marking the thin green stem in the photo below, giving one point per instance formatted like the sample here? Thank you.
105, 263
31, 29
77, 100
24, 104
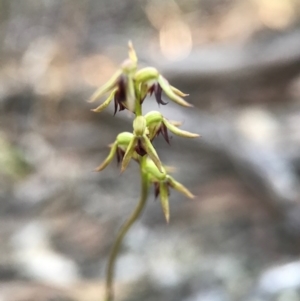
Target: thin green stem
116, 247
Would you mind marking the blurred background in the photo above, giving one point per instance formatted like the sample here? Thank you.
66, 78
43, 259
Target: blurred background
239, 239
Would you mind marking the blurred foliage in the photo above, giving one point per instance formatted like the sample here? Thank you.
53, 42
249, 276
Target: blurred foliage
12, 162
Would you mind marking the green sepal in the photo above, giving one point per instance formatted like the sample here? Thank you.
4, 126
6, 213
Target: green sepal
175, 130
109, 158
179, 187
153, 120
153, 117
170, 93
106, 87
175, 122
144, 90
128, 66
131, 52
151, 152
178, 92
151, 168
105, 104
146, 74
139, 126
152, 130
123, 139
129, 153
130, 93
164, 200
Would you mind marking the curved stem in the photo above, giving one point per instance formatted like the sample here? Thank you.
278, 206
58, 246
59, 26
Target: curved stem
116, 247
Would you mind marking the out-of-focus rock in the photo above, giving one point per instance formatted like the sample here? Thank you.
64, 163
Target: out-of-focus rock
281, 278
24, 291
209, 295
37, 260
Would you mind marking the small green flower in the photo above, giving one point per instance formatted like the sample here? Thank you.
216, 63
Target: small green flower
153, 82
162, 183
128, 146
120, 86
118, 148
140, 144
158, 124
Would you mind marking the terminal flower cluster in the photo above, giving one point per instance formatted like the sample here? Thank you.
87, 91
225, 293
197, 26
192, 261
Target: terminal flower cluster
126, 87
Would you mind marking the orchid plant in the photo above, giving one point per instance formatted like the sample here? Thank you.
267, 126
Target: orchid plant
128, 88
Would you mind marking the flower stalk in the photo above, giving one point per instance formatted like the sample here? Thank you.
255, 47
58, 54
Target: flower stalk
123, 231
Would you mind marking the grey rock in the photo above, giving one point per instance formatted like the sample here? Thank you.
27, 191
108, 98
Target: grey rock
37, 260
280, 278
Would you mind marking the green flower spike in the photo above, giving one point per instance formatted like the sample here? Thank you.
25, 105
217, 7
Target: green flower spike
140, 144
151, 81
128, 88
157, 124
120, 86
162, 183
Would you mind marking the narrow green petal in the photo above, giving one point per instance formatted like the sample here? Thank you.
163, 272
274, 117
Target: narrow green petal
170, 93
105, 104
151, 152
164, 200
179, 187
131, 52
106, 87
176, 123
129, 153
170, 169
109, 158
178, 92
175, 130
